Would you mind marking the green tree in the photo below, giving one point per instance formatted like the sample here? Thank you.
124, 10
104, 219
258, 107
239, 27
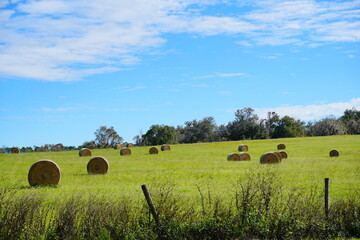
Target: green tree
351, 120
199, 131
246, 125
159, 134
271, 122
289, 127
107, 137
327, 126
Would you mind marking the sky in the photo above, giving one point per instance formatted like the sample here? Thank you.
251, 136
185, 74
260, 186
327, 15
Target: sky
69, 67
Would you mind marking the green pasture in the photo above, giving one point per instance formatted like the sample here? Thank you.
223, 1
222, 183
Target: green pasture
189, 167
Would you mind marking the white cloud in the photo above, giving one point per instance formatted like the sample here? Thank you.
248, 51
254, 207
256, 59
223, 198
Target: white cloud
59, 109
3, 3
221, 75
311, 112
230, 74
199, 85
225, 93
58, 40
136, 88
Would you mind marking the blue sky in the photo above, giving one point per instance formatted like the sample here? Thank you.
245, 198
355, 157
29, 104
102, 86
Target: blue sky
68, 67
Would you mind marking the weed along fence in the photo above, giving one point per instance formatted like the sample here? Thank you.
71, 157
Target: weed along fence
194, 191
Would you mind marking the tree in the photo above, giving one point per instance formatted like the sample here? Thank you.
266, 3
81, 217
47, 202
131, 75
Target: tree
351, 120
88, 144
289, 127
271, 122
246, 125
159, 134
199, 131
327, 126
107, 137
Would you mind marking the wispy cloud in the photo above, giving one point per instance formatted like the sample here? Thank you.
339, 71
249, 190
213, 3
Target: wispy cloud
221, 75
60, 109
311, 112
225, 93
58, 40
132, 89
199, 85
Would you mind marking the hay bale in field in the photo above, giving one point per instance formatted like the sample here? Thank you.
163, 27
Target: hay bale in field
15, 150
243, 148
245, 156
283, 154
84, 152
117, 146
44, 172
234, 157
129, 145
334, 153
165, 147
91, 147
281, 146
278, 155
98, 165
269, 157
153, 150
125, 151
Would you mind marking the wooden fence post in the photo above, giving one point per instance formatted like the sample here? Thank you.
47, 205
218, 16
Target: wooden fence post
327, 199
150, 203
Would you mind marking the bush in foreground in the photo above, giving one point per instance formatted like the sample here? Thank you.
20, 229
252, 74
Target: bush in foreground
258, 208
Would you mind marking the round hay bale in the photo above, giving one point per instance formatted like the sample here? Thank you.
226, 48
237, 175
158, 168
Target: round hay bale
269, 157
281, 146
44, 172
278, 155
243, 148
234, 157
84, 152
129, 145
283, 154
153, 150
245, 156
334, 153
91, 147
117, 146
15, 150
165, 147
98, 165
125, 151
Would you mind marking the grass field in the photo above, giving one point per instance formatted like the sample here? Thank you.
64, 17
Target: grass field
189, 166
198, 193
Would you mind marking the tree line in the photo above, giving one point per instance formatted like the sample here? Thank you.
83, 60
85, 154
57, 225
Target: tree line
246, 126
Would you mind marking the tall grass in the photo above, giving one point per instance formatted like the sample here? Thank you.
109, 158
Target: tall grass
258, 208
197, 192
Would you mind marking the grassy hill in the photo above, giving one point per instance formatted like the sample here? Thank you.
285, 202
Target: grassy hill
188, 166
197, 192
